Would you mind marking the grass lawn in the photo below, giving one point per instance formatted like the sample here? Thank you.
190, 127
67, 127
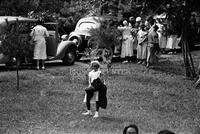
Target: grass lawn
51, 101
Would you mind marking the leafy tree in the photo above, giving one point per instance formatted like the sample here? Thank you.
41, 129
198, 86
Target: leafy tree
16, 42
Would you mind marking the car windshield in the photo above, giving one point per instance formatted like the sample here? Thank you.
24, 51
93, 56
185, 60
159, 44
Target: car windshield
86, 26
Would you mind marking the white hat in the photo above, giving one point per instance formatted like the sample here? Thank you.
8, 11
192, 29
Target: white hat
138, 19
131, 18
95, 62
125, 22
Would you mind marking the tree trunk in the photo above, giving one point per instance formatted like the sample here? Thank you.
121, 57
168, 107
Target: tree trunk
189, 65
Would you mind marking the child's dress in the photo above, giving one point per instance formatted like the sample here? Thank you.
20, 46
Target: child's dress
92, 76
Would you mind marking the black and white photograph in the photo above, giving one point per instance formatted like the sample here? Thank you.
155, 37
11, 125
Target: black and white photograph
99, 67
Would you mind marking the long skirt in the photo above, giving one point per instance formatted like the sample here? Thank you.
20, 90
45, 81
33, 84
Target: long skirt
151, 53
40, 49
172, 42
142, 51
127, 47
162, 41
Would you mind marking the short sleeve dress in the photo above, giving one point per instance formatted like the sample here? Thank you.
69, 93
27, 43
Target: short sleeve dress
93, 75
38, 35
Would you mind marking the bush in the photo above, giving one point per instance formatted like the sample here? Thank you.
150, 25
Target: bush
107, 35
16, 43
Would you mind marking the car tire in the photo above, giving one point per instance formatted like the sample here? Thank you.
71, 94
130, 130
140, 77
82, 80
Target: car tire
78, 57
13, 62
70, 56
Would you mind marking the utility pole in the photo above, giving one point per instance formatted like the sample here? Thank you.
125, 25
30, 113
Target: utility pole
17, 55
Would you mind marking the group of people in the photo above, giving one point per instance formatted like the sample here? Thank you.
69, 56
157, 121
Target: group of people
148, 37
133, 129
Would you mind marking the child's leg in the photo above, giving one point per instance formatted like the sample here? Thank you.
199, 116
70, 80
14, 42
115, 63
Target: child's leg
97, 106
97, 110
89, 112
88, 105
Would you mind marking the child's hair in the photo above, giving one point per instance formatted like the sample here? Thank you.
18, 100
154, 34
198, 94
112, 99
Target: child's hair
131, 126
166, 132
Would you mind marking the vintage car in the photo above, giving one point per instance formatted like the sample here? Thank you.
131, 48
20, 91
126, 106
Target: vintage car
64, 50
82, 36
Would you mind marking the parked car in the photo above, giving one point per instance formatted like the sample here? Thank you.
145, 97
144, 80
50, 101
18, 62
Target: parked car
56, 48
82, 36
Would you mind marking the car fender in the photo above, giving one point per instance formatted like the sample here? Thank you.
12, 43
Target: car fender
63, 46
73, 36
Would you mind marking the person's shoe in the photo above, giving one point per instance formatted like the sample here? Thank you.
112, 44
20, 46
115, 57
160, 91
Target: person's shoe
144, 63
96, 115
43, 68
37, 68
170, 53
87, 113
125, 61
139, 62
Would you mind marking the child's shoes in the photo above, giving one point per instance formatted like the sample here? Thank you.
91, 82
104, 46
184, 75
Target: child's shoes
96, 115
87, 113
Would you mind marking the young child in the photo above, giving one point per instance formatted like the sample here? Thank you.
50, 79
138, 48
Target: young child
93, 74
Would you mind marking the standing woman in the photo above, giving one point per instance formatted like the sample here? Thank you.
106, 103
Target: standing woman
172, 39
127, 41
142, 45
161, 35
38, 35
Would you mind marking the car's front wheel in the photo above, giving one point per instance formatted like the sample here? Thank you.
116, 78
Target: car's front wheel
70, 56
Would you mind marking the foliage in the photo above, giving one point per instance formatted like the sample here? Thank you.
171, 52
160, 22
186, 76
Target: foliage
107, 35
16, 43
18, 7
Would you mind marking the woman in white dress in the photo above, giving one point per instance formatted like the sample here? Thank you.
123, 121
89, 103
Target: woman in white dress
38, 35
127, 42
161, 35
172, 38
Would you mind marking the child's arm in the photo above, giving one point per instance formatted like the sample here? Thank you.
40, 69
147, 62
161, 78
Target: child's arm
89, 79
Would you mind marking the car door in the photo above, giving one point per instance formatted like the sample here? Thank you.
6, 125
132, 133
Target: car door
52, 40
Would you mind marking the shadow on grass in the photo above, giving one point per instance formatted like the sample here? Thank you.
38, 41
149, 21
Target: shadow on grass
170, 67
110, 119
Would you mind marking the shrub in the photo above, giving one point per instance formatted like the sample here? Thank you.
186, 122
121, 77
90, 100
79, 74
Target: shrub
107, 35
16, 42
